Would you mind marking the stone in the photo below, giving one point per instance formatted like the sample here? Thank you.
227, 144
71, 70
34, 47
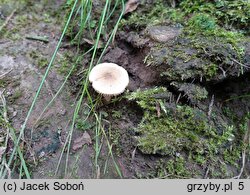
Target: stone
163, 34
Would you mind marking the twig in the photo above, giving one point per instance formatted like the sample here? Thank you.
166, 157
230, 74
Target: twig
7, 20
246, 142
178, 99
133, 154
201, 79
38, 38
247, 135
165, 176
206, 174
223, 71
243, 165
5, 117
173, 4
170, 98
246, 66
8, 135
210, 107
2, 75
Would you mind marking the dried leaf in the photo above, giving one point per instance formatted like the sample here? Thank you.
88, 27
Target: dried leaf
133, 155
81, 141
158, 109
91, 42
2, 151
131, 6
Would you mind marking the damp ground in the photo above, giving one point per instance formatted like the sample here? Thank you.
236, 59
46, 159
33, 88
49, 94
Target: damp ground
185, 113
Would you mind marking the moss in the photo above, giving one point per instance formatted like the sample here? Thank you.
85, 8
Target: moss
147, 98
159, 14
181, 129
82, 121
199, 54
3, 83
225, 12
193, 92
65, 65
206, 48
42, 62
204, 24
211, 70
232, 156
228, 13
116, 114
84, 125
115, 138
69, 59
17, 94
228, 112
26, 14
38, 59
177, 132
172, 168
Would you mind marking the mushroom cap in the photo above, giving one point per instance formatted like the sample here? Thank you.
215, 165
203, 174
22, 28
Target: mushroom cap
109, 79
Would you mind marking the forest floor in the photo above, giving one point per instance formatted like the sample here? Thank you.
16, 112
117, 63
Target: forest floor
186, 111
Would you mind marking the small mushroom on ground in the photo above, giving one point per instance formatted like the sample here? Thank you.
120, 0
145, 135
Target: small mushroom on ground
109, 79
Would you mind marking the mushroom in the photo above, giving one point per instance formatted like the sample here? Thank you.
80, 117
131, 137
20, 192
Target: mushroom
109, 79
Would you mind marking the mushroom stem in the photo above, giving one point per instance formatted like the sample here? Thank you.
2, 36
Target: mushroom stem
107, 97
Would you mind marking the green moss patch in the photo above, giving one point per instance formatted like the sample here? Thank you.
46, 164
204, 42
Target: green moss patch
209, 46
182, 132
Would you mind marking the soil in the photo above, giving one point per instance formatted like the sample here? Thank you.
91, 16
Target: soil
24, 62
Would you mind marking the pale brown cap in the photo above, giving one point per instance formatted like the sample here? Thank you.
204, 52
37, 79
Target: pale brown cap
109, 79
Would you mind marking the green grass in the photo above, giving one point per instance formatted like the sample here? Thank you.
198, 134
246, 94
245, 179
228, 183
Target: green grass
247, 96
80, 13
85, 22
86, 81
10, 134
16, 147
100, 135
